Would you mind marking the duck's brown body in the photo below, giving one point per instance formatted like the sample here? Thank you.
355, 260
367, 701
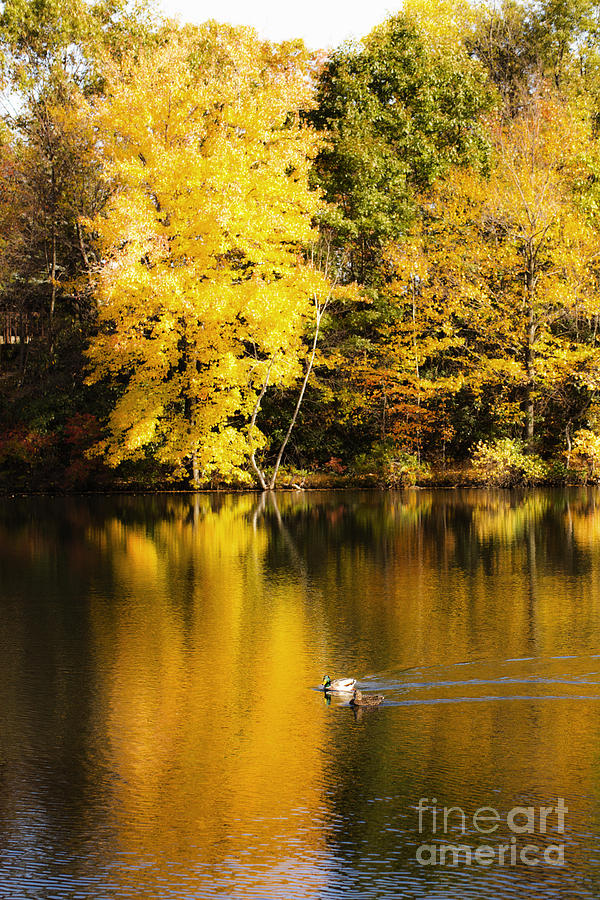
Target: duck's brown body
360, 699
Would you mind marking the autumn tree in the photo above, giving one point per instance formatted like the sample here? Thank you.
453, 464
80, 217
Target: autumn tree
497, 289
500, 39
395, 115
536, 212
521, 44
53, 54
396, 112
205, 289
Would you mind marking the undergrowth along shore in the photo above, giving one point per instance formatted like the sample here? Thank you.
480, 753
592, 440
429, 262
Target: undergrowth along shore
503, 463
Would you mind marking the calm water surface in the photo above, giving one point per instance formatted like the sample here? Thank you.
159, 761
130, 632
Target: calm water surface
160, 731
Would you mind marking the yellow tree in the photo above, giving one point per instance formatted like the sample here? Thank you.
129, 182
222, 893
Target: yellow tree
495, 293
424, 348
547, 240
204, 288
424, 356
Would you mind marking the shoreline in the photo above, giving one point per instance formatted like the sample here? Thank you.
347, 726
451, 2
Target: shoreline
320, 486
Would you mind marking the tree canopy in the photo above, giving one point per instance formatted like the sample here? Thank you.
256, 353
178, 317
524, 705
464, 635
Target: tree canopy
205, 287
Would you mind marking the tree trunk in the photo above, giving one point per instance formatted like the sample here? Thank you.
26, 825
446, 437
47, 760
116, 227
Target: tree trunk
52, 281
529, 406
84, 255
417, 370
53, 245
259, 474
52, 291
320, 311
53, 275
320, 308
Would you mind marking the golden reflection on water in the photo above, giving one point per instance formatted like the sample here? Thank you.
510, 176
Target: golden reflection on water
162, 652
200, 711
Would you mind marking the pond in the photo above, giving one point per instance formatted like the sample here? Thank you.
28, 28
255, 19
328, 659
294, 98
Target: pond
163, 734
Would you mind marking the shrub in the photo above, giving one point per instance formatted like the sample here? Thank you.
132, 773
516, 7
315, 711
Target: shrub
584, 457
25, 453
505, 463
335, 465
386, 465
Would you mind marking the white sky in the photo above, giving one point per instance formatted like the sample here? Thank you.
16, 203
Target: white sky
322, 23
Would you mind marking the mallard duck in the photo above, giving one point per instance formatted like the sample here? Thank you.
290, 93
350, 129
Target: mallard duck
339, 686
360, 699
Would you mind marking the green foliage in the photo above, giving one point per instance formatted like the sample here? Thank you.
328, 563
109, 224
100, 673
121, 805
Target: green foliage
54, 43
500, 41
388, 466
521, 43
504, 463
395, 117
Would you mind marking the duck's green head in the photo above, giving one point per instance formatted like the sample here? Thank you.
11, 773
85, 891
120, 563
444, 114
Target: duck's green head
326, 681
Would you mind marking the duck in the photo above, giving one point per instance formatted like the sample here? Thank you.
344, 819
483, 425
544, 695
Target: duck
360, 699
339, 686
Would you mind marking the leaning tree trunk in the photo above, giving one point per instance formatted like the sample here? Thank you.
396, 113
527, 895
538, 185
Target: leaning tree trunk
320, 308
320, 311
259, 474
195, 470
530, 335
